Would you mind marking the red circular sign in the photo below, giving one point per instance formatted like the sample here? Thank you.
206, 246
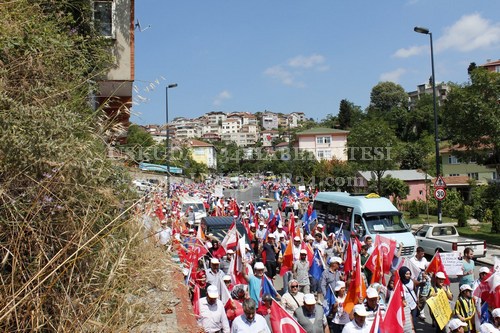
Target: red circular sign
439, 193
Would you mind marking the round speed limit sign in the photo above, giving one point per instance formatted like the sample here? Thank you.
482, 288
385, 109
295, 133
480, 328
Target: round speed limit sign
439, 193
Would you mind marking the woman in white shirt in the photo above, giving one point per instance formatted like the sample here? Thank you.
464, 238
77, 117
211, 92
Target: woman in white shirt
340, 317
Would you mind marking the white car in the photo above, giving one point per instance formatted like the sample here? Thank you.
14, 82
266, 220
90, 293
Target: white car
141, 186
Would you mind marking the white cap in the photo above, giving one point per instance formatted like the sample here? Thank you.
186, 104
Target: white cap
303, 251
262, 223
484, 269
259, 265
360, 310
280, 226
487, 328
252, 225
331, 260
230, 251
455, 323
215, 261
440, 275
212, 291
190, 222
371, 292
495, 313
185, 271
271, 236
465, 287
226, 278
320, 226
247, 247
296, 238
309, 299
339, 285
309, 237
192, 230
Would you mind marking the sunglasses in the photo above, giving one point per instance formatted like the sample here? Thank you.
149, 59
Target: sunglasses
295, 286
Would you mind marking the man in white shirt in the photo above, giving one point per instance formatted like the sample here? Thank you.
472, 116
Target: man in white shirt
164, 235
319, 243
357, 324
280, 233
212, 314
249, 321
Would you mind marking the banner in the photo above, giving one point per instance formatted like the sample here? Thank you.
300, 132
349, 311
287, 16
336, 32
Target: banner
440, 307
452, 262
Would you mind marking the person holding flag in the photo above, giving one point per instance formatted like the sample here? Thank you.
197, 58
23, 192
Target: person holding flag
409, 296
331, 275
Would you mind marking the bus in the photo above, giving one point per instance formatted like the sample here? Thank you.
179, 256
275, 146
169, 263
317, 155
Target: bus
367, 215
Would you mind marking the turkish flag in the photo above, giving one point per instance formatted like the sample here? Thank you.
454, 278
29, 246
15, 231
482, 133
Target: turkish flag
348, 263
376, 265
395, 315
196, 299
494, 284
436, 265
282, 321
388, 247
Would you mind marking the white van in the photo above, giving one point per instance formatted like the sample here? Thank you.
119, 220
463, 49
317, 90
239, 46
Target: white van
198, 208
366, 215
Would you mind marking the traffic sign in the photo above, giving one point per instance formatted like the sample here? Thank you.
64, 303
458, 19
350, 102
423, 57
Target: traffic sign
439, 193
439, 182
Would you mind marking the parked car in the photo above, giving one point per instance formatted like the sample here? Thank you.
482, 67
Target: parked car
141, 185
445, 238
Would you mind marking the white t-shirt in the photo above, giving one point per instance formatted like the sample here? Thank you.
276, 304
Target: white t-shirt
164, 235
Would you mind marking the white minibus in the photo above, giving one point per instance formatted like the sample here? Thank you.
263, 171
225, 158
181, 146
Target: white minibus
366, 215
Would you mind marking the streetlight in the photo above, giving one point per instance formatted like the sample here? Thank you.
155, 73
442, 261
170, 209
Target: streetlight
425, 31
167, 134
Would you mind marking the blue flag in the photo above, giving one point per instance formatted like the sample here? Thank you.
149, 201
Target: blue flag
316, 269
268, 288
485, 315
329, 300
307, 219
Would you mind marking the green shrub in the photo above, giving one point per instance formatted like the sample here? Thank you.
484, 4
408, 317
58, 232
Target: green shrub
413, 209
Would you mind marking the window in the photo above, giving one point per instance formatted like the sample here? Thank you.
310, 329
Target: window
103, 18
473, 175
324, 154
453, 160
454, 174
198, 151
323, 140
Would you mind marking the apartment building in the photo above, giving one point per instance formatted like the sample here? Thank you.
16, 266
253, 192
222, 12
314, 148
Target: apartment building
492, 66
115, 21
442, 90
270, 121
324, 143
203, 152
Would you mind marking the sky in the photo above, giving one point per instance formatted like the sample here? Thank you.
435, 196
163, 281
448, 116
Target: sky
299, 56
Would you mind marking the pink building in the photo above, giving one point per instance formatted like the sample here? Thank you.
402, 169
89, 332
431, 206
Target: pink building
324, 143
417, 181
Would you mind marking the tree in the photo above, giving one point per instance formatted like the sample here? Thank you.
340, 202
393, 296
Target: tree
475, 104
389, 101
413, 155
349, 114
390, 186
373, 146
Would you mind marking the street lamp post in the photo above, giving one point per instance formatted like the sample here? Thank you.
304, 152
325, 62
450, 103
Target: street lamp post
426, 31
167, 137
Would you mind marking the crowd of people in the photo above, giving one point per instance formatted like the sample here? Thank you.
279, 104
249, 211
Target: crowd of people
330, 282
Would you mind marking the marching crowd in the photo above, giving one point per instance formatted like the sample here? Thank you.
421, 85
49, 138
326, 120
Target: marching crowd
332, 282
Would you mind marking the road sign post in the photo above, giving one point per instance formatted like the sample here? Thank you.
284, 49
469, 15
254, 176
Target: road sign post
439, 193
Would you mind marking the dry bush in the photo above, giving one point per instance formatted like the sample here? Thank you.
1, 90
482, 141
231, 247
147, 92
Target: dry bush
69, 240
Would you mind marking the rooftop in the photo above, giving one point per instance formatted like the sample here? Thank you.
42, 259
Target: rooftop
322, 130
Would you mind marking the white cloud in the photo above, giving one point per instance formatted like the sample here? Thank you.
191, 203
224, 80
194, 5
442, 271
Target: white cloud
393, 76
409, 52
287, 73
221, 97
301, 61
470, 32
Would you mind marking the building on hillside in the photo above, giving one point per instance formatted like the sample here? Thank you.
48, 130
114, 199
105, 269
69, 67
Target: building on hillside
203, 152
324, 143
417, 181
270, 120
115, 21
492, 66
442, 90
216, 117
454, 166
231, 125
212, 137
268, 137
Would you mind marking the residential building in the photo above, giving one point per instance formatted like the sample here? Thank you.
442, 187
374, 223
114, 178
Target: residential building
324, 143
417, 181
442, 90
231, 125
492, 66
454, 166
268, 137
216, 117
270, 120
115, 21
203, 152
